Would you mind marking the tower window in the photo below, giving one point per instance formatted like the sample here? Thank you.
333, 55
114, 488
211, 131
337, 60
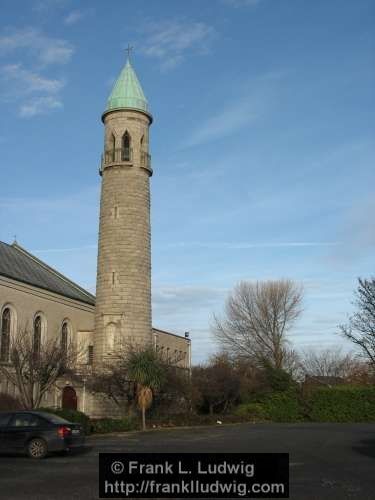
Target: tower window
126, 147
116, 212
113, 147
113, 278
5, 335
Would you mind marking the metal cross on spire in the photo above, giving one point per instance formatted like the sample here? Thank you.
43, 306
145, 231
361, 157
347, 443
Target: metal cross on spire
128, 49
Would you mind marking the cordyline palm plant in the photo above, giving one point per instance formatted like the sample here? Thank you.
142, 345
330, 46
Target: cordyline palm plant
146, 370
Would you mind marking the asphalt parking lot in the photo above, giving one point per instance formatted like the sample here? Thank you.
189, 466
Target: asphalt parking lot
327, 461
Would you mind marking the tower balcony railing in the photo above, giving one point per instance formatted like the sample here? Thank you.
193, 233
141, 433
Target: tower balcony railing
123, 155
146, 161
116, 156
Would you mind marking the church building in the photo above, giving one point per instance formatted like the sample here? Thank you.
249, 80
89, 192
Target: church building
38, 298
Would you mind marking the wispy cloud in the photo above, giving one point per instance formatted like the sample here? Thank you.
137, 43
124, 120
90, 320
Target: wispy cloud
180, 301
248, 245
41, 6
223, 123
357, 231
64, 250
25, 81
39, 106
45, 49
169, 41
33, 93
241, 3
248, 101
75, 16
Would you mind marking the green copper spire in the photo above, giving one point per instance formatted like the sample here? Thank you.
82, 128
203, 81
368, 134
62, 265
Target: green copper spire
127, 92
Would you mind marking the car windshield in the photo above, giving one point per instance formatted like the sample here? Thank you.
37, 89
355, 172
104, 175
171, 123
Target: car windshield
54, 418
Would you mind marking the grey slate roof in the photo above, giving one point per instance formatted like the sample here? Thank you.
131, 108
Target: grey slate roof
18, 264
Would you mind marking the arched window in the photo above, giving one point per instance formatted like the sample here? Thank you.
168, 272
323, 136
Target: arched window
65, 337
5, 334
126, 147
113, 147
37, 334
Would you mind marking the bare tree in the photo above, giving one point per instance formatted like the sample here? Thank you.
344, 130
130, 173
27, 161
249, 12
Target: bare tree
35, 368
328, 363
361, 326
257, 319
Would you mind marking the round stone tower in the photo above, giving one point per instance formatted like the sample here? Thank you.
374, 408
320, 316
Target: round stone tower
123, 287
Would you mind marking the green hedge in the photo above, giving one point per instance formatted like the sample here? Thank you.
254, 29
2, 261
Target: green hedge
105, 425
274, 407
71, 415
336, 404
342, 404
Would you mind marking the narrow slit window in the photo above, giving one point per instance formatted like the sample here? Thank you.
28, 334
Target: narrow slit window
126, 147
113, 147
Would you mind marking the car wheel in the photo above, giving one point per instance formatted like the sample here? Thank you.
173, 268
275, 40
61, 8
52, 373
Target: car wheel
37, 448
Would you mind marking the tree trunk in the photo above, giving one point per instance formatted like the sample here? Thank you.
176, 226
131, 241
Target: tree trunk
143, 418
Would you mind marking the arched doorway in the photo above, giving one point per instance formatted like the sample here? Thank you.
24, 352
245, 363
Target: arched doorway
69, 398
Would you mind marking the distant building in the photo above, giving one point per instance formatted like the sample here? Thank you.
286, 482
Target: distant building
320, 381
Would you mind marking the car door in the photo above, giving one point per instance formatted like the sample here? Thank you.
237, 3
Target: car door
4, 420
20, 428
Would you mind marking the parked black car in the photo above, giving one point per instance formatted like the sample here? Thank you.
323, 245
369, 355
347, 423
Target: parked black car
38, 433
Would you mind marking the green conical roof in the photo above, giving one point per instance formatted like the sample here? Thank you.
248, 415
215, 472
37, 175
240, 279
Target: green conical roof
127, 92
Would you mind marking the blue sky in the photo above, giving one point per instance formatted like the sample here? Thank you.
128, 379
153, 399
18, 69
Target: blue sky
262, 145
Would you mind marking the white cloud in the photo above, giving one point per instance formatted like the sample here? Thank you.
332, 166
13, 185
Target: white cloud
64, 249
246, 102
223, 123
33, 93
248, 245
47, 50
41, 6
241, 3
73, 17
169, 41
39, 105
357, 231
25, 81
76, 16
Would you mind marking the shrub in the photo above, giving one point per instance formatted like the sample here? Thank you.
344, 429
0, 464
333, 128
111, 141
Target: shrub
9, 403
284, 407
251, 411
342, 404
104, 425
275, 407
72, 415
277, 379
